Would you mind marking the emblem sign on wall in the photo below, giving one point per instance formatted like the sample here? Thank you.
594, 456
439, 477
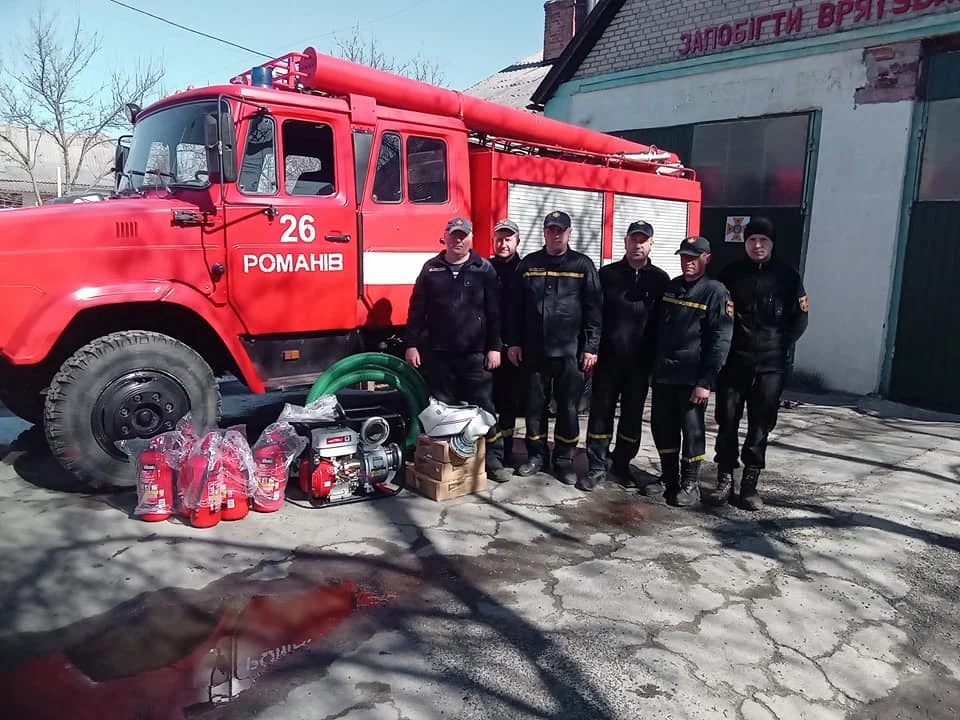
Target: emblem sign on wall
735, 227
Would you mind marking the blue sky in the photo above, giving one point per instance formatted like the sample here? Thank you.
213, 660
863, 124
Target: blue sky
469, 40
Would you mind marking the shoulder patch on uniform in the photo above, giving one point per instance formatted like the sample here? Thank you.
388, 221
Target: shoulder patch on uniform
729, 308
804, 303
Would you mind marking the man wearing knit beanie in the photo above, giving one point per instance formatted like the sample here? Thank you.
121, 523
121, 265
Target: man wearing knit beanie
770, 316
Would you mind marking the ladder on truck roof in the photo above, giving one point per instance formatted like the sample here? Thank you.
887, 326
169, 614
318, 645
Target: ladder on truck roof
490, 124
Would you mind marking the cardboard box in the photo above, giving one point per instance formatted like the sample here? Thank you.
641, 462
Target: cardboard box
442, 472
440, 451
465, 484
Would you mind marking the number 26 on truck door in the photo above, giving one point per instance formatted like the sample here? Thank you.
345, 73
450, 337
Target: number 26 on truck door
298, 229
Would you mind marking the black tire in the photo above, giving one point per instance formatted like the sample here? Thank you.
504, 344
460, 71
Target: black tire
81, 409
21, 392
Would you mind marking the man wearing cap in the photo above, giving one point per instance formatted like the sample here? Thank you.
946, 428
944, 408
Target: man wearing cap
509, 384
453, 327
553, 330
771, 315
695, 323
632, 288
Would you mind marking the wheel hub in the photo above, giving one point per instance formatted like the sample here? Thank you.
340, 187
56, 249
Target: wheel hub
139, 404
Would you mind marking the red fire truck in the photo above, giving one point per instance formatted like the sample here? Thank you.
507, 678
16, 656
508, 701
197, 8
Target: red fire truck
267, 227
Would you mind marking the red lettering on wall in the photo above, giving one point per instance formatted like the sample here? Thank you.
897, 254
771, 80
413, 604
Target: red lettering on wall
725, 35
838, 14
779, 16
739, 35
826, 15
844, 8
794, 20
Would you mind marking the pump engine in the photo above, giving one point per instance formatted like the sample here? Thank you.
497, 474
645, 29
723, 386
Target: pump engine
344, 465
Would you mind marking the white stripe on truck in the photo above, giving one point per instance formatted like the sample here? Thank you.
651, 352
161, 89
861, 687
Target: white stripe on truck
393, 268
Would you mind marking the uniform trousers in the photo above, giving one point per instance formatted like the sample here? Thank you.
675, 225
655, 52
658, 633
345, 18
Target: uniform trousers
463, 377
561, 378
760, 392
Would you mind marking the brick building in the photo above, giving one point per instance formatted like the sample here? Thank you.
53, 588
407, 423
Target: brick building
513, 85
841, 120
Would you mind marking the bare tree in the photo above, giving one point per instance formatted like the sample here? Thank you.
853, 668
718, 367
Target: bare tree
41, 95
356, 48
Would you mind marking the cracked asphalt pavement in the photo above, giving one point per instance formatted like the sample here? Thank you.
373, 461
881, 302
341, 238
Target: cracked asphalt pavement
529, 600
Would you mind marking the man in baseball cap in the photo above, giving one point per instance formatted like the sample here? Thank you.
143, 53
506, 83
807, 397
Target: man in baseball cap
693, 339
553, 330
632, 288
509, 381
453, 326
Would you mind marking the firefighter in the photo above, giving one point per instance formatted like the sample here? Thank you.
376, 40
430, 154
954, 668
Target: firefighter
771, 315
553, 330
454, 319
509, 386
632, 288
695, 322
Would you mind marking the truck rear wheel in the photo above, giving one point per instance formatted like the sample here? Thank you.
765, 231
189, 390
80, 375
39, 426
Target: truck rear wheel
132, 384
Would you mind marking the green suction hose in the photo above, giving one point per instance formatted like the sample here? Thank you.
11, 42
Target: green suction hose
377, 367
373, 360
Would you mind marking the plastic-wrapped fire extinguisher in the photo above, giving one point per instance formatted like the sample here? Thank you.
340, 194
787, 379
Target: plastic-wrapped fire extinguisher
234, 466
154, 485
274, 452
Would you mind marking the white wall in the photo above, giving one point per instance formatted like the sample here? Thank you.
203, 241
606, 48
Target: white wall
856, 202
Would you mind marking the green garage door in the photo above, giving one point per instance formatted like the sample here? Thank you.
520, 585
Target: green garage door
927, 341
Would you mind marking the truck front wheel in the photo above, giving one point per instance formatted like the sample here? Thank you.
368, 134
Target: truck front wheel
132, 384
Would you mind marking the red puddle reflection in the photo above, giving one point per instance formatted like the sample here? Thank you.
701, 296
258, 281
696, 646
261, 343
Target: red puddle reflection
154, 664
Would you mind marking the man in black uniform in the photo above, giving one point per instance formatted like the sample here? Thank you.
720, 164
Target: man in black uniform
693, 339
553, 328
771, 315
509, 384
632, 288
454, 317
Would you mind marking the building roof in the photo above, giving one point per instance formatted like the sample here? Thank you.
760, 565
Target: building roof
514, 85
576, 50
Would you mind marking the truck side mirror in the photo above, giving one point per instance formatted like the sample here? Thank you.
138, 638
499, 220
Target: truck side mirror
219, 143
120, 157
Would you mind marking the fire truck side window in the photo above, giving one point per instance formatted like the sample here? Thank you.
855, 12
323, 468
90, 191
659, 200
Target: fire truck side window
308, 167
258, 167
426, 170
387, 183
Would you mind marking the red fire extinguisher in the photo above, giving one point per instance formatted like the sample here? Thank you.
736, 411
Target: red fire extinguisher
154, 486
270, 466
233, 479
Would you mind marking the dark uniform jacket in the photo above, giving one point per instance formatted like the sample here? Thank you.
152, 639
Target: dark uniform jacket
771, 313
693, 333
455, 314
630, 301
556, 305
506, 272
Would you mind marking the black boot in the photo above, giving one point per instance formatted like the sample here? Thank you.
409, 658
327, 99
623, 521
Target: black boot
621, 473
689, 485
669, 484
531, 467
749, 499
722, 492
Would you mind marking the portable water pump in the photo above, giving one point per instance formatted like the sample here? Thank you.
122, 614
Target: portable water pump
346, 465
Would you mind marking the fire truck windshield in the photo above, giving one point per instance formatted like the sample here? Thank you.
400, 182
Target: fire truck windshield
167, 149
